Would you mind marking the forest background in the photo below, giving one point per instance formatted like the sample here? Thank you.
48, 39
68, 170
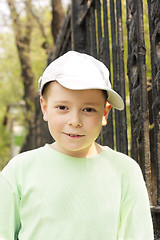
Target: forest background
36, 28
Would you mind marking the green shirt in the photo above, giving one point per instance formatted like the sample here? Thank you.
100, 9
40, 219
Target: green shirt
46, 195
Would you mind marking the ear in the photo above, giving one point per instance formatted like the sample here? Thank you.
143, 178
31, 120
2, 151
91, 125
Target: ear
43, 104
105, 114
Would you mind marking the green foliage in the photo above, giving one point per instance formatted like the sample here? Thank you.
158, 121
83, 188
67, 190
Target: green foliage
19, 140
4, 147
147, 39
38, 53
10, 89
11, 86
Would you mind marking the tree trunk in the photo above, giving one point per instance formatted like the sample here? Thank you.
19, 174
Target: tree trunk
23, 38
57, 17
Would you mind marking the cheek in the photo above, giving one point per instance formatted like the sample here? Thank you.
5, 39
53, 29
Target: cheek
55, 121
95, 123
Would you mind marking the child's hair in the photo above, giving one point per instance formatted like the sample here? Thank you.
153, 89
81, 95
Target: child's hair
105, 94
46, 89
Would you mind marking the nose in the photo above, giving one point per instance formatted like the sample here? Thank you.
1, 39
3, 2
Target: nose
75, 119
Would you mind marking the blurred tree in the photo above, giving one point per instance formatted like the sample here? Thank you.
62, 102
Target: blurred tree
22, 34
57, 16
11, 90
24, 15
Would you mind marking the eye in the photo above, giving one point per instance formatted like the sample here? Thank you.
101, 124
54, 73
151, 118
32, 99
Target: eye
89, 109
62, 108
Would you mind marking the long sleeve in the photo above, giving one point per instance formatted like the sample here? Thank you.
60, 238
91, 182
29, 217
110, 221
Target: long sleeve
9, 213
135, 216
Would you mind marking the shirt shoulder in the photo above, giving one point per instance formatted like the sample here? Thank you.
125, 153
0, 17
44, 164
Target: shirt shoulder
121, 160
24, 157
22, 163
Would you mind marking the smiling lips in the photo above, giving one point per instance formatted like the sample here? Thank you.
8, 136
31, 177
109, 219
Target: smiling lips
74, 136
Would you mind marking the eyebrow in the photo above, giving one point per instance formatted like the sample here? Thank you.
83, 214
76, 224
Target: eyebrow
62, 101
91, 104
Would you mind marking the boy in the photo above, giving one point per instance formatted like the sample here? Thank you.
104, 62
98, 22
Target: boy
74, 189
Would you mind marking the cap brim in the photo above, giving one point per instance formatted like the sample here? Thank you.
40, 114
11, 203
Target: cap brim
115, 99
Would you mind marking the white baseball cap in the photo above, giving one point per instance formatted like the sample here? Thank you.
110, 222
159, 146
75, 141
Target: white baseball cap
79, 71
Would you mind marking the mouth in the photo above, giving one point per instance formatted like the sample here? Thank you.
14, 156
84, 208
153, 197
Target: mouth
74, 136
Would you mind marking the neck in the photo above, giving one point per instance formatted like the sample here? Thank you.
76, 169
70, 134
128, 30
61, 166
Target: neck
91, 151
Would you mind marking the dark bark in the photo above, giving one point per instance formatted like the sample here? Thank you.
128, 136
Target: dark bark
154, 23
57, 17
23, 38
123, 128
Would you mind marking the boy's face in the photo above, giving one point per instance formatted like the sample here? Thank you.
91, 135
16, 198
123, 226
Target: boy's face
74, 118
